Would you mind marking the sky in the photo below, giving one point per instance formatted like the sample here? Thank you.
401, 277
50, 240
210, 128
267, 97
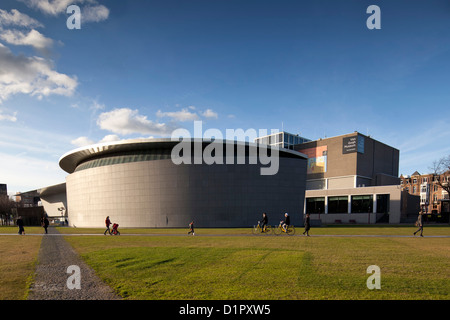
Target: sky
140, 69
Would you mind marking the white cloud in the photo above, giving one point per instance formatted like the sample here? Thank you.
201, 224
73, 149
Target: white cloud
97, 106
110, 138
82, 141
186, 115
18, 19
33, 38
210, 114
85, 141
5, 116
51, 7
183, 115
31, 75
92, 12
126, 121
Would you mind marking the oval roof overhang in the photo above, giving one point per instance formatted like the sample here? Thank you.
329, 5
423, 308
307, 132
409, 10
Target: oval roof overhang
70, 160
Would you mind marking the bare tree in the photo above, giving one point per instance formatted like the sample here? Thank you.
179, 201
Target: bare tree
6, 204
441, 171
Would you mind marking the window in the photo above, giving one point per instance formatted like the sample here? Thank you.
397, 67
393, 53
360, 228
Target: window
424, 180
362, 204
338, 204
414, 189
414, 180
423, 199
383, 203
136, 156
315, 205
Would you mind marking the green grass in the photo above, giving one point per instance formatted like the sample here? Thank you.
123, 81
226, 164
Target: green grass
254, 267
232, 264
18, 256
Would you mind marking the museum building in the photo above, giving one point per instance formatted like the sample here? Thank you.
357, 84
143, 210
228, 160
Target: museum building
137, 184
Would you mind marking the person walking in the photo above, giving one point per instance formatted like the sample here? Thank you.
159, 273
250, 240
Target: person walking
419, 223
45, 223
19, 222
264, 222
107, 223
307, 225
191, 228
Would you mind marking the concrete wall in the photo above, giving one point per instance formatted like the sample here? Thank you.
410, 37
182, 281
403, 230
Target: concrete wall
377, 165
363, 218
160, 194
53, 202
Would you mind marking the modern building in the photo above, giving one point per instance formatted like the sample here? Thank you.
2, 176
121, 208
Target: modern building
54, 200
137, 183
282, 140
352, 178
350, 161
28, 199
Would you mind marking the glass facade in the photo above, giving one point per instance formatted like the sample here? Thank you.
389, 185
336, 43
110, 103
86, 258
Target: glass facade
283, 140
383, 203
315, 205
362, 204
107, 160
338, 204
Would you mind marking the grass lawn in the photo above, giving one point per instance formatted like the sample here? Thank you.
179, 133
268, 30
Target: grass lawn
213, 266
18, 256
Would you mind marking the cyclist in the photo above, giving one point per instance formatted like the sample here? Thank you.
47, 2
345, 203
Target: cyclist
287, 221
264, 222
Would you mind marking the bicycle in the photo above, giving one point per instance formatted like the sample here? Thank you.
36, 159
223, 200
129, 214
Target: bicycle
290, 231
258, 230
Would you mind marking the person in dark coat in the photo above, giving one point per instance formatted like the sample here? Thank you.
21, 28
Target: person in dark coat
20, 225
307, 225
264, 222
107, 223
45, 223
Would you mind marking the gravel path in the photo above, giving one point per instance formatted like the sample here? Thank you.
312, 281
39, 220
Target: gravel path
51, 279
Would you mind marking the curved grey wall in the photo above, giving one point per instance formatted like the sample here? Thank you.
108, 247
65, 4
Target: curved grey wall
159, 193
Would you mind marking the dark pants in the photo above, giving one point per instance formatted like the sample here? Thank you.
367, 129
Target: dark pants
306, 229
107, 230
420, 229
21, 230
45, 227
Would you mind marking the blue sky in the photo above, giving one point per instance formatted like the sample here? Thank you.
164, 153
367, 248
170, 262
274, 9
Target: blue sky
143, 68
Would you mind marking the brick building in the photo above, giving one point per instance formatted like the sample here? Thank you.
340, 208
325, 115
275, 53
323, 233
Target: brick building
433, 198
